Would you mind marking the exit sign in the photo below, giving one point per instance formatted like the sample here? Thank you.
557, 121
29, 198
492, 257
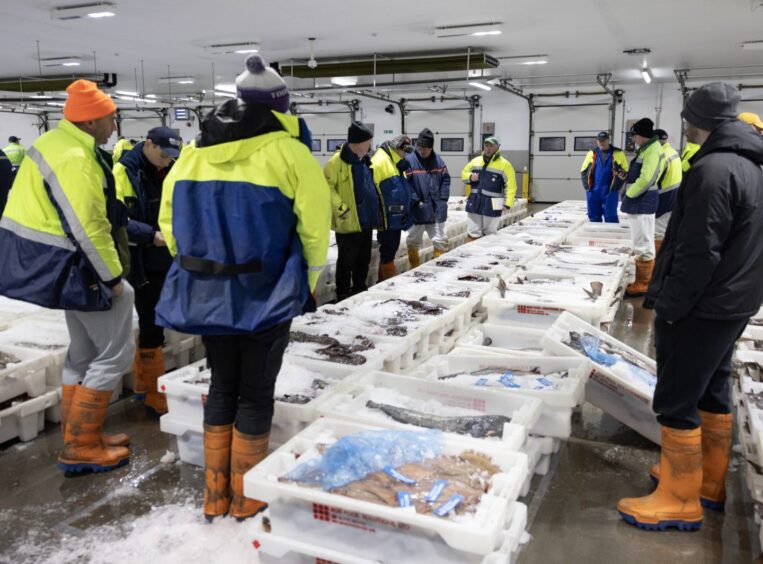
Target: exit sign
387, 132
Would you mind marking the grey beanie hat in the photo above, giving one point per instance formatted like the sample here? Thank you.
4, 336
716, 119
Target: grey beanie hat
712, 105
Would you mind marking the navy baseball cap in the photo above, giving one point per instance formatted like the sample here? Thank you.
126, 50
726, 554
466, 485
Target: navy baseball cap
167, 139
13, 139
602, 136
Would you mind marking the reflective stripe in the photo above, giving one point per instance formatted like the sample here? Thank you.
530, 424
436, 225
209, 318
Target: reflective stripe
30, 234
653, 181
78, 231
315, 268
499, 171
673, 157
491, 194
671, 187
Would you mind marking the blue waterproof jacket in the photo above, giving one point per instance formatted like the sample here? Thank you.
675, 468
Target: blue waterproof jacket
430, 189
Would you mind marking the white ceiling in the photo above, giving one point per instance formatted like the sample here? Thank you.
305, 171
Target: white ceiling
581, 38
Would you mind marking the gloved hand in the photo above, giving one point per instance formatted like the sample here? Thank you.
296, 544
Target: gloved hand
403, 166
344, 211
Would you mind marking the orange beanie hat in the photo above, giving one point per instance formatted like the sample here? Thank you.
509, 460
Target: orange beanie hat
86, 102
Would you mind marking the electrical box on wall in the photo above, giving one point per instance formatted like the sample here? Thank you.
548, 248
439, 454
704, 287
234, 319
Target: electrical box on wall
630, 145
488, 128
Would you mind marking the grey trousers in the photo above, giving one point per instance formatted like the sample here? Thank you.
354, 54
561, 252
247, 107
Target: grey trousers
102, 344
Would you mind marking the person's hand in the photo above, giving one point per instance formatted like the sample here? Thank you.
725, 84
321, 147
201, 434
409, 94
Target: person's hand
474, 177
159, 240
118, 289
621, 174
344, 214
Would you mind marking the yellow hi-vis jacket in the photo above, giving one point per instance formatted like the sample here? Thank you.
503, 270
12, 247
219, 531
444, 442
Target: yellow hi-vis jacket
496, 187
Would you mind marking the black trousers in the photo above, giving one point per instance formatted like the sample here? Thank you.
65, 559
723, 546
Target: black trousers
693, 368
389, 242
146, 298
352, 263
244, 371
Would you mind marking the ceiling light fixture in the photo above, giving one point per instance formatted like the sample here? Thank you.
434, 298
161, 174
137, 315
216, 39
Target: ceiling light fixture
94, 10
752, 45
540, 59
187, 81
476, 30
71, 64
177, 79
345, 80
480, 85
41, 96
541, 62
646, 74
239, 47
312, 63
70, 61
125, 93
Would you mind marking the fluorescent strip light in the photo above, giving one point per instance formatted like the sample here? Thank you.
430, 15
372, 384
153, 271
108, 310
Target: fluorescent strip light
97, 15
535, 62
238, 47
185, 81
72, 64
224, 93
752, 45
246, 51
480, 85
125, 93
345, 80
475, 30
646, 75
484, 33
94, 10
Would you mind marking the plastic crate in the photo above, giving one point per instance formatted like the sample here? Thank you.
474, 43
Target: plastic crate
556, 415
626, 401
25, 419
24, 377
385, 533
504, 339
287, 550
349, 403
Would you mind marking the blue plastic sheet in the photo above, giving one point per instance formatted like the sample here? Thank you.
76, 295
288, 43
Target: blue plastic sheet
355, 456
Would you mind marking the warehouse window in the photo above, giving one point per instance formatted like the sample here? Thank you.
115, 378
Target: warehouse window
333, 144
552, 144
452, 145
585, 143
316, 145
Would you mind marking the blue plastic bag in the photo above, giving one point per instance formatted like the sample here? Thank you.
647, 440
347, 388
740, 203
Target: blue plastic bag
355, 456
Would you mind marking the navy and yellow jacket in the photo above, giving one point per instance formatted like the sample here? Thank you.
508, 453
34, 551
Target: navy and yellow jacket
430, 189
641, 190
496, 187
355, 199
670, 180
591, 161
246, 214
62, 255
394, 187
139, 186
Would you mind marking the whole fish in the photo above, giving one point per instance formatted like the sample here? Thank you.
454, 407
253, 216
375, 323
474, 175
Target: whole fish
308, 396
595, 292
490, 370
478, 426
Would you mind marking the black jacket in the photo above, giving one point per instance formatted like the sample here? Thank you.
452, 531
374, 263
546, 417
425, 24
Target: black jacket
6, 178
711, 262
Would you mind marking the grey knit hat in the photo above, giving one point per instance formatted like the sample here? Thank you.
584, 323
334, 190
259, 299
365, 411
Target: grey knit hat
712, 105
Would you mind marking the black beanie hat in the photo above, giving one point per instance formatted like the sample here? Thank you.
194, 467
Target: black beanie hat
661, 134
357, 133
643, 127
711, 105
425, 138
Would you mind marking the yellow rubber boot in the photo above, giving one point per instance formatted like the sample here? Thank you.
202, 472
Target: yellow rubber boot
439, 252
67, 395
716, 447
83, 445
217, 458
246, 452
675, 502
152, 366
413, 257
644, 270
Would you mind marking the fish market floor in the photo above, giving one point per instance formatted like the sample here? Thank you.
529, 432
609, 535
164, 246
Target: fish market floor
150, 510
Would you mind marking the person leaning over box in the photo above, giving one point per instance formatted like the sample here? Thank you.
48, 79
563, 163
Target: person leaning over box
246, 214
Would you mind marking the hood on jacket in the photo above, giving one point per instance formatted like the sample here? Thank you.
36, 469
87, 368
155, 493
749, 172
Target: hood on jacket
131, 159
733, 137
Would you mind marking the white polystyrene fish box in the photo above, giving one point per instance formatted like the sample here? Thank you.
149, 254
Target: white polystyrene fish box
45, 335
387, 534
558, 382
394, 400
292, 550
532, 309
504, 339
624, 392
190, 438
24, 419
22, 371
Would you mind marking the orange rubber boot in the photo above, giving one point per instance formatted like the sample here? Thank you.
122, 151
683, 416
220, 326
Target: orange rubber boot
217, 447
657, 245
83, 445
246, 452
139, 389
413, 257
716, 446
67, 394
675, 502
386, 270
644, 270
151, 367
